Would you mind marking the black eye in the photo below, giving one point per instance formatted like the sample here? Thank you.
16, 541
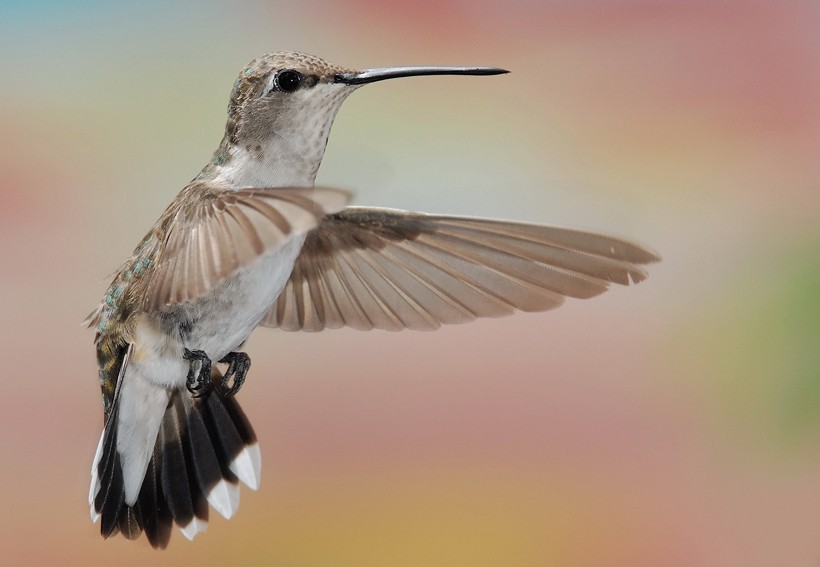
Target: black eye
288, 80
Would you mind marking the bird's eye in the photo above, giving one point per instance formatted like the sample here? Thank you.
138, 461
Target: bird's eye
288, 80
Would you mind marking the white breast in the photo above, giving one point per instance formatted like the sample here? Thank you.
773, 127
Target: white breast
224, 318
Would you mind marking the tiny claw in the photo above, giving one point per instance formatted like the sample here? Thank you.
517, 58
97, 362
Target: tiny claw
238, 365
198, 382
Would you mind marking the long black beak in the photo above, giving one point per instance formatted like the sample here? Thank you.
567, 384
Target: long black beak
373, 75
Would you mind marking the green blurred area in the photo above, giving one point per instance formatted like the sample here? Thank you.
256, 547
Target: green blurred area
761, 338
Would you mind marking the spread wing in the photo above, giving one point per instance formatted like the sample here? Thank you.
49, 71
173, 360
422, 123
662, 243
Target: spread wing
210, 237
387, 269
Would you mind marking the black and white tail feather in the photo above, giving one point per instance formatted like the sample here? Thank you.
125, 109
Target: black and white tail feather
205, 446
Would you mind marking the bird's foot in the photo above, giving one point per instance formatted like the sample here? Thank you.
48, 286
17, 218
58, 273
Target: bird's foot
198, 381
238, 365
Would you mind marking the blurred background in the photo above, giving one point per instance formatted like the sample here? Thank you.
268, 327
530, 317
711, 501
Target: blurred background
673, 423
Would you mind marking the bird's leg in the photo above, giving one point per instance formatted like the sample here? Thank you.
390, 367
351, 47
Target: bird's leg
238, 364
198, 382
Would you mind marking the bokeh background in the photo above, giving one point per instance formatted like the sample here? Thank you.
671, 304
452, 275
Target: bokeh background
673, 423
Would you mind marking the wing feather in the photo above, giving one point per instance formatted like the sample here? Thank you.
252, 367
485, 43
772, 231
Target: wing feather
387, 269
212, 233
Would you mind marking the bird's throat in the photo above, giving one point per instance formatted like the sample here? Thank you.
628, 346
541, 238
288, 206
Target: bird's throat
261, 165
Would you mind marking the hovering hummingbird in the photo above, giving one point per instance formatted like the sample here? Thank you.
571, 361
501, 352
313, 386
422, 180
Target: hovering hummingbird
250, 241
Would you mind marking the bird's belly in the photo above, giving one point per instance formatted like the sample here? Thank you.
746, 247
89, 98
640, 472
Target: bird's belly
222, 320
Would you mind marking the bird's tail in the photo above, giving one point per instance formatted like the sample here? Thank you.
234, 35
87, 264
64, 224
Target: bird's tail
203, 448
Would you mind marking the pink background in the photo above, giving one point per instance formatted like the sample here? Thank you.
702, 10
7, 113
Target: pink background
674, 423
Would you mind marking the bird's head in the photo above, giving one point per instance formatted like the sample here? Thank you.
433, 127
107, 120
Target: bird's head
282, 107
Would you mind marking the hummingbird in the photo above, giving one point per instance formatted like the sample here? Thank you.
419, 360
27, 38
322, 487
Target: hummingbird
250, 242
